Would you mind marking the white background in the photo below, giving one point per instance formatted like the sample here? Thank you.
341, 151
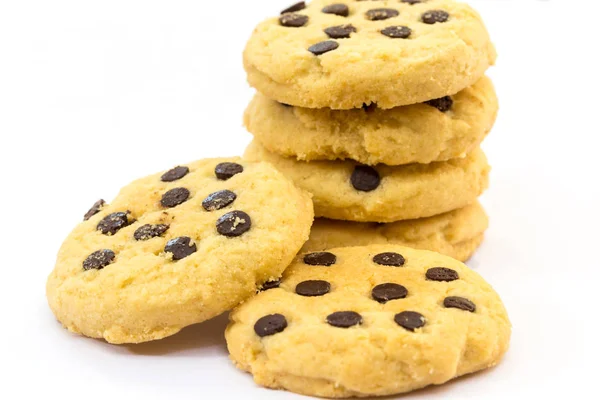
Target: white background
94, 94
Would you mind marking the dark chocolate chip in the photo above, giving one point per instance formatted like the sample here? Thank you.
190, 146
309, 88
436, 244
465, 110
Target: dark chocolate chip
175, 197
433, 16
411, 2
410, 320
340, 32
234, 224
365, 179
443, 104
323, 47
113, 223
344, 319
369, 107
99, 259
397, 32
322, 258
379, 14
270, 325
175, 174
295, 7
293, 20
148, 231
219, 200
94, 210
270, 285
389, 259
440, 274
180, 247
388, 291
227, 170
313, 288
459, 302
338, 9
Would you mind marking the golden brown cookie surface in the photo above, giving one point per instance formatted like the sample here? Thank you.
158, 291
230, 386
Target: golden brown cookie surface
369, 321
177, 248
391, 53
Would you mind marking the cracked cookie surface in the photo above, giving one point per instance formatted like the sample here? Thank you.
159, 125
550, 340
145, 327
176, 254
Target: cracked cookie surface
177, 248
390, 53
456, 234
345, 190
372, 321
420, 133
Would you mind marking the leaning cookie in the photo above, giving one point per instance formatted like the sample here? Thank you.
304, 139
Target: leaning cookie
456, 234
345, 190
369, 321
438, 130
177, 248
351, 53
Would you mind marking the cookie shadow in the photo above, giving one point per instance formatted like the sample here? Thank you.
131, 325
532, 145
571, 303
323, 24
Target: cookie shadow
207, 336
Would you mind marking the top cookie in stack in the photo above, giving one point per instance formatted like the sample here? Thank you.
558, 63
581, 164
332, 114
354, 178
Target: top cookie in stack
342, 54
377, 108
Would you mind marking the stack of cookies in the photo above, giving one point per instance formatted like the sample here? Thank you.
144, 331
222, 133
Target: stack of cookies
378, 109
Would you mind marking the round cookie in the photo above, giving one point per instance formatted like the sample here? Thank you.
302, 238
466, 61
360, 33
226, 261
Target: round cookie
345, 190
371, 321
177, 248
456, 234
421, 133
391, 53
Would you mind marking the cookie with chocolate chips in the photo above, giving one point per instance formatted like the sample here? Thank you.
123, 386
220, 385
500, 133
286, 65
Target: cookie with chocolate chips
438, 130
346, 190
457, 233
177, 248
394, 328
326, 53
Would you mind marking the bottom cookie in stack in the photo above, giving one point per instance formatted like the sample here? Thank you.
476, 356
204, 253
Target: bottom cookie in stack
369, 321
456, 234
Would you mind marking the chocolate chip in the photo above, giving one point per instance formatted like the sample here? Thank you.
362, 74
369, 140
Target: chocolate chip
459, 302
323, 47
234, 224
175, 174
219, 200
295, 7
175, 197
443, 104
270, 325
181, 247
365, 179
388, 291
94, 210
338, 9
344, 319
397, 32
410, 320
227, 170
389, 259
340, 32
369, 107
440, 274
113, 223
313, 288
379, 14
148, 232
293, 20
322, 258
411, 2
99, 259
270, 285
433, 16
